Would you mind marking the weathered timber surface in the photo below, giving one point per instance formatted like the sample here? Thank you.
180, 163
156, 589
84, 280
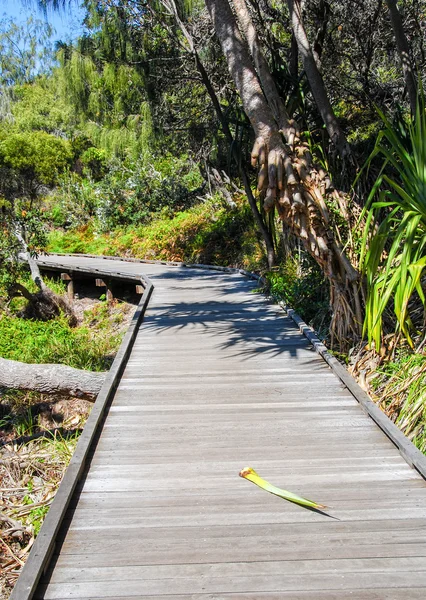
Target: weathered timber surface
219, 379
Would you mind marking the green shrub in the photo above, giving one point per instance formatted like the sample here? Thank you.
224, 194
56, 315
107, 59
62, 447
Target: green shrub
204, 233
123, 193
300, 284
94, 161
35, 155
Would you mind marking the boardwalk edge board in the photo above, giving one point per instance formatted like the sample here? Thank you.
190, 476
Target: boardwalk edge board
43, 548
168, 263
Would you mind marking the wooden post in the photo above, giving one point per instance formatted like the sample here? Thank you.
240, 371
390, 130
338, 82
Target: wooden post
108, 293
70, 285
140, 289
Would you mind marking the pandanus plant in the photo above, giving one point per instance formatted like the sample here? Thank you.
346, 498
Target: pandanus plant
393, 254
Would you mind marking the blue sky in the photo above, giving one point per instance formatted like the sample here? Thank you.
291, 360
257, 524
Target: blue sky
67, 23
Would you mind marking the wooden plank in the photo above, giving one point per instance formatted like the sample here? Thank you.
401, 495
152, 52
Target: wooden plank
210, 550
213, 550
66, 574
256, 583
338, 498
365, 594
145, 518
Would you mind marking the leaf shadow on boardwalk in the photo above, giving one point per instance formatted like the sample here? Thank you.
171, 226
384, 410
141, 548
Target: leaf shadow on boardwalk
240, 327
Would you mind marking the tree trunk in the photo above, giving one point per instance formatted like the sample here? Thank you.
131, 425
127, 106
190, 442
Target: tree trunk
293, 63
323, 13
404, 53
170, 6
268, 84
35, 271
290, 181
266, 234
242, 69
316, 82
50, 379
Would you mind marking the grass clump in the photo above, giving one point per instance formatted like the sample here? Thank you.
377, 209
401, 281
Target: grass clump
401, 389
56, 342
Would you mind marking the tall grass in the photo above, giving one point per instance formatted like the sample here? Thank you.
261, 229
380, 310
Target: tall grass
403, 395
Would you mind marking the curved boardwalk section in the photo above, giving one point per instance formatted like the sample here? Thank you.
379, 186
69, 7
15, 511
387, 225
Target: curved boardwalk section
218, 380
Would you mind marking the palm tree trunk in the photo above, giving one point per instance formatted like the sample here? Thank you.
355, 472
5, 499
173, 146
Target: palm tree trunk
268, 84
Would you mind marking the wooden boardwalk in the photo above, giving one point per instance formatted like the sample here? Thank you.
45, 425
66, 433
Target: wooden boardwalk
218, 380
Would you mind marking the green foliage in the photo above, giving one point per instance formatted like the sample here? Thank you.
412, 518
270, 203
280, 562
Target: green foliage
94, 161
40, 106
24, 49
205, 233
33, 159
36, 517
109, 101
394, 254
300, 284
128, 193
18, 216
73, 203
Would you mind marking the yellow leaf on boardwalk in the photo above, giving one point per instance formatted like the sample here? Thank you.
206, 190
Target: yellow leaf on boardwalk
251, 475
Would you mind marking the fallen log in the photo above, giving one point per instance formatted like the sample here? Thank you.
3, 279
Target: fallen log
50, 379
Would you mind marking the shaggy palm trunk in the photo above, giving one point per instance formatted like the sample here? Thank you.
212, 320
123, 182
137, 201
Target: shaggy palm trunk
404, 53
267, 82
287, 176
